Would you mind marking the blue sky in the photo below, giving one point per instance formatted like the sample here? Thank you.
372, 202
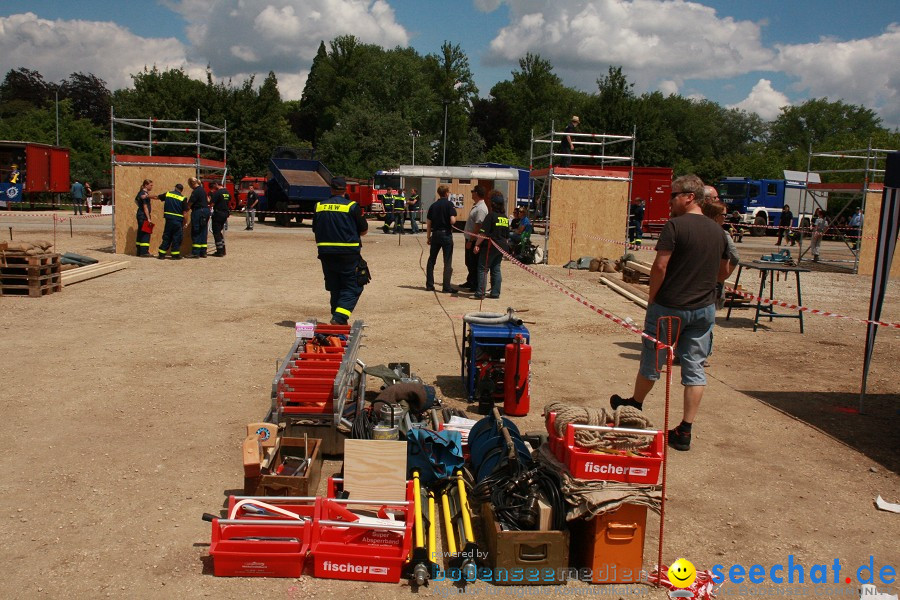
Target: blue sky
758, 55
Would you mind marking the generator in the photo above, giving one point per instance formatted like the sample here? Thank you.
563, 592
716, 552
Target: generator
496, 363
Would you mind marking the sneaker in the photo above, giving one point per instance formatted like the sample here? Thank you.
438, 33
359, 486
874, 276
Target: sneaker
615, 401
679, 440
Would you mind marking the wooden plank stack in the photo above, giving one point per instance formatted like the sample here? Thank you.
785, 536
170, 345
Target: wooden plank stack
31, 275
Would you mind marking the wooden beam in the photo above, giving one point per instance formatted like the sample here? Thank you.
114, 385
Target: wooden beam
632, 294
90, 271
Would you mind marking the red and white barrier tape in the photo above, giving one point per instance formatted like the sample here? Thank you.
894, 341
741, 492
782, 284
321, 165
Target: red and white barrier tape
559, 287
55, 216
812, 311
628, 245
808, 230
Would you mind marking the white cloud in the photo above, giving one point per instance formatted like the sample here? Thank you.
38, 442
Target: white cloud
258, 36
236, 38
653, 41
764, 100
58, 48
864, 71
668, 87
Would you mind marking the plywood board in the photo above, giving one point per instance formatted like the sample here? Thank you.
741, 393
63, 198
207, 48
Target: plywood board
128, 182
869, 233
375, 469
584, 214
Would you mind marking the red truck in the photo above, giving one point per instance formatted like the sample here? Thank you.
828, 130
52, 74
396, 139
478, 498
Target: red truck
654, 186
42, 169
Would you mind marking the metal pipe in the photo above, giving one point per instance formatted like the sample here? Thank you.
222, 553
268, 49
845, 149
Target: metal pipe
417, 491
464, 507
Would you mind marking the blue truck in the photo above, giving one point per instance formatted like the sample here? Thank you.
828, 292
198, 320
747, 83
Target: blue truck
759, 201
296, 183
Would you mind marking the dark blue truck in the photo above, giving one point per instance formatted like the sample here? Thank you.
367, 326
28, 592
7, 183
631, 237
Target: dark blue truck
296, 183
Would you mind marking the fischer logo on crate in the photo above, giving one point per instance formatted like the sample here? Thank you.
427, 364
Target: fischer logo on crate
357, 569
608, 469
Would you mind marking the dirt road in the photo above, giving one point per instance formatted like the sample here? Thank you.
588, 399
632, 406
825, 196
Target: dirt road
125, 397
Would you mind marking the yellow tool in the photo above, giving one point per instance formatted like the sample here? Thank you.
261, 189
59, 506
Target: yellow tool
464, 552
422, 561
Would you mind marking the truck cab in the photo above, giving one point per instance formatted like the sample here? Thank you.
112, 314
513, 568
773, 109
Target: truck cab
759, 201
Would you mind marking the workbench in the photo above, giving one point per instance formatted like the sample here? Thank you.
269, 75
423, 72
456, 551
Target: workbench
768, 270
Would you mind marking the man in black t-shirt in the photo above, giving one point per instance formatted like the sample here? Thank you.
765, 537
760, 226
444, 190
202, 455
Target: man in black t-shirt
568, 146
496, 229
691, 256
439, 235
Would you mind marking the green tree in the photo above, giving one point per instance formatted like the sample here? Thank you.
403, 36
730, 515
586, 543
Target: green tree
454, 88
824, 125
89, 95
23, 89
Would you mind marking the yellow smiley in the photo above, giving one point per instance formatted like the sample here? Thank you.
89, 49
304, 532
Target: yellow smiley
682, 573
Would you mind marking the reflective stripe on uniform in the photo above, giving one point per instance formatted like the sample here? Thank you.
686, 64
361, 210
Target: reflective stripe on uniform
502, 222
342, 311
329, 207
144, 244
198, 245
339, 244
179, 215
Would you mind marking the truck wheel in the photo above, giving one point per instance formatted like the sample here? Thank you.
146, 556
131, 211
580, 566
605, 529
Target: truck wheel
282, 219
760, 223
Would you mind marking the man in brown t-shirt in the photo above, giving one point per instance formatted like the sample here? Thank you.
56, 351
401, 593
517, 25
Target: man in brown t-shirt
691, 255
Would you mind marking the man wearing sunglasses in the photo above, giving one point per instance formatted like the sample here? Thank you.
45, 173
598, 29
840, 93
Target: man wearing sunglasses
691, 255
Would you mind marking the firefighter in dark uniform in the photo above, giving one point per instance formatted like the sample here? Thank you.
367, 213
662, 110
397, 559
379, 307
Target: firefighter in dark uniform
339, 225
174, 207
413, 206
221, 200
388, 200
199, 206
143, 216
399, 211
488, 251
635, 221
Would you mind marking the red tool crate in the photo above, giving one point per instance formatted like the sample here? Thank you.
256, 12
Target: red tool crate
343, 548
247, 544
641, 466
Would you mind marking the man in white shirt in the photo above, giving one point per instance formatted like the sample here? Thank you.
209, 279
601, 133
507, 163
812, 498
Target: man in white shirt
473, 226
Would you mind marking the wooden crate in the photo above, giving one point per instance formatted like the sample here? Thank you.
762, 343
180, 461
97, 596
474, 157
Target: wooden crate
32, 276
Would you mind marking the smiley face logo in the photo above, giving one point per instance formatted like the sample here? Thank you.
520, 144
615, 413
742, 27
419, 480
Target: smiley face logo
682, 573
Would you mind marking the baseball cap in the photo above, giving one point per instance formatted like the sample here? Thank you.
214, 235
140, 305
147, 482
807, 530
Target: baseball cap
338, 183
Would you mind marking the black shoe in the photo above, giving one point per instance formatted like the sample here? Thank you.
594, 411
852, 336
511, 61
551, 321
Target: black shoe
615, 401
448, 290
679, 440
429, 288
144, 256
477, 297
493, 296
161, 257
176, 258
247, 228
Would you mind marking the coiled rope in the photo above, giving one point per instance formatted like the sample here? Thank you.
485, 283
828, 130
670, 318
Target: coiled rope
624, 416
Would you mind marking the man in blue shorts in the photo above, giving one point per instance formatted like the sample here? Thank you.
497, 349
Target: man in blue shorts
691, 254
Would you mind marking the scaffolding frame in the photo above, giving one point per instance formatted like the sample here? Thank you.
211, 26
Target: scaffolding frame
154, 125
544, 182
816, 192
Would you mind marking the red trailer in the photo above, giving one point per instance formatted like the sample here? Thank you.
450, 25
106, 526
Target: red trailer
42, 168
654, 186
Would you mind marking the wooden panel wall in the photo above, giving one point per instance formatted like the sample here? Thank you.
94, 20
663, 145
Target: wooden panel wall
597, 208
870, 231
128, 181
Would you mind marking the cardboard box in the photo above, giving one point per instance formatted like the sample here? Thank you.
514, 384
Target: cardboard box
610, 548
290, 485
525, 557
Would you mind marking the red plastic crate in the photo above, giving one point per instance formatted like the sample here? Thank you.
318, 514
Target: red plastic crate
643, 468
342, 549
234, 557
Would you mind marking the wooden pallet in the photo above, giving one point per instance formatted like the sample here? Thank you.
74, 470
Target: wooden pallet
32, 276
